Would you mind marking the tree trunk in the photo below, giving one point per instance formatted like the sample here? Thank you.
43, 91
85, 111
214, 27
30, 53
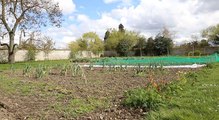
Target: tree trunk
140, 52
11, 53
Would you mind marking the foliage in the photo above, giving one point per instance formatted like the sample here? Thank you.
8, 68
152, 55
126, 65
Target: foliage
146, 99
123, 47
106, 36
150, 47
212, 33
163, 46
195, 53
41, 71
31, 53
154, 95
64, 70
121, 28
203, 43
27, 70
113, 40
88, 42
46, 45
197, 98
95, 44
81, 60
123, 41
35, 42
210, 65
74, 47
119, 36
140, 46
195, 45
72, 69
26, 15
76, 70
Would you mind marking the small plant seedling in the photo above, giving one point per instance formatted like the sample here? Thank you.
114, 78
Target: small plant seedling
41, 71
27, 70
77, 70
12, 69
91, 66
64, 70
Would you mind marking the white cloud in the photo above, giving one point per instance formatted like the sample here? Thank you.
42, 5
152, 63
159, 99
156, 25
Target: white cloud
122, 2
61, 36
184, 17
180, 16
67, 6
110, 1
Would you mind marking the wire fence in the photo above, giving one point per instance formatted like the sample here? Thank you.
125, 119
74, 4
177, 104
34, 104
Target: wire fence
164, 60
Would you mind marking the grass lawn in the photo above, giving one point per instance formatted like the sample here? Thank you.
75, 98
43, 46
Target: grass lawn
198, 99
20, 65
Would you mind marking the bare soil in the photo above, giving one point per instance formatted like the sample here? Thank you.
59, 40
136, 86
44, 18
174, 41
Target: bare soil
40, 100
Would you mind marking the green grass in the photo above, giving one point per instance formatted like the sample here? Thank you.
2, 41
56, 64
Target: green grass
15, 86
198, 99
21, 65
77, 106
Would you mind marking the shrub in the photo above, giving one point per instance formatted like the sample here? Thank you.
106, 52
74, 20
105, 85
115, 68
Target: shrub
72, 55
81, 60
210, 65
146, 99
123, 47
31, 54
197, 53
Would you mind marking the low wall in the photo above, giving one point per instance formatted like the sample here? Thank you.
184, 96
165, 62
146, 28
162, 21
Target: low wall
204, 51
3, 56
20, 55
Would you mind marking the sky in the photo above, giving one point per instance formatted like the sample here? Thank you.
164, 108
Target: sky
148, 17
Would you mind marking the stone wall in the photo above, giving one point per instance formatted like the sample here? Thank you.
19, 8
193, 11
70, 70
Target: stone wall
20, 55
3, 56
53, 55
204, 51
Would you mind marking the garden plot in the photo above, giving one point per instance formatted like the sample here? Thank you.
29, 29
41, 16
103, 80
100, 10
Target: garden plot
72, 92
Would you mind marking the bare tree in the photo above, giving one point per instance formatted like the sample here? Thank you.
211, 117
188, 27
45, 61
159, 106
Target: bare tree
26, 15
35, 42
47, 45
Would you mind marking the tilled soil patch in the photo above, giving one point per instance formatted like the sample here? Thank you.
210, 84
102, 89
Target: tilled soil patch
39, 99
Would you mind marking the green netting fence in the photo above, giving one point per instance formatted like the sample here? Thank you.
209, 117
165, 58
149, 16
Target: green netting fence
164, 60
